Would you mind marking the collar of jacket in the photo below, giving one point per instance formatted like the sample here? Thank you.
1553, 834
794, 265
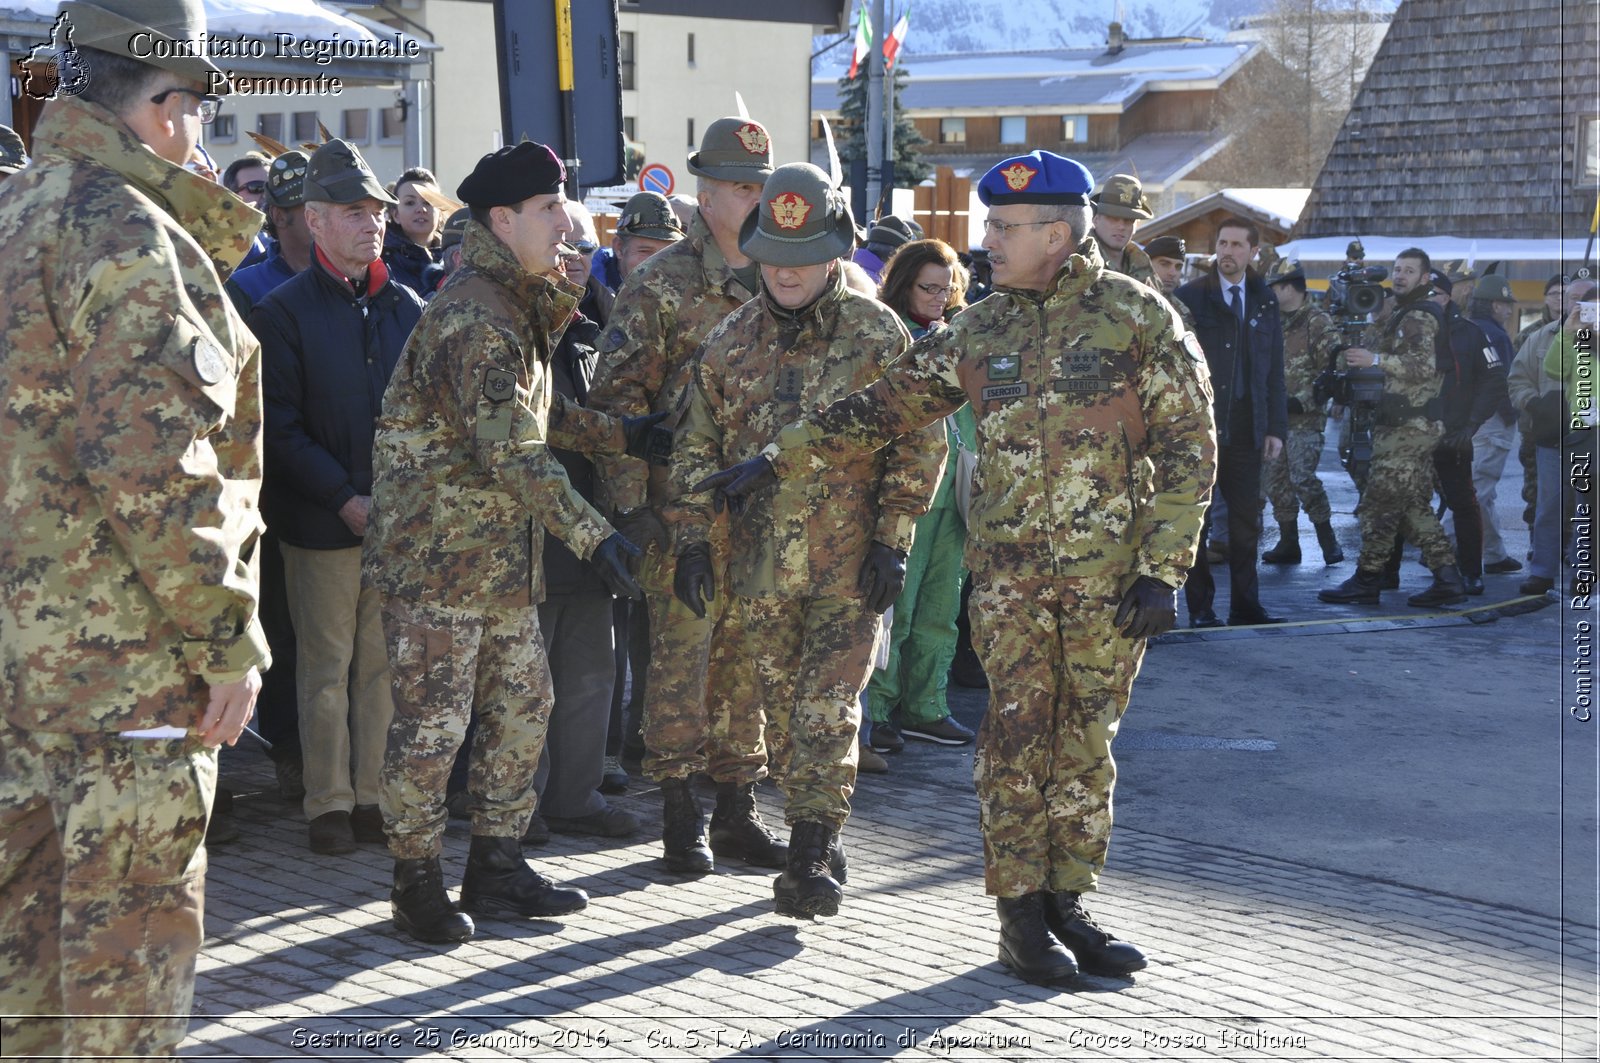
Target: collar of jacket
219, 221
550, 299
1082, 268
377, 276
719, 275
812, 311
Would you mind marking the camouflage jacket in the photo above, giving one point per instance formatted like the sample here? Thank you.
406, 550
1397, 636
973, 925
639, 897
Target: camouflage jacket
1309, 336
1411, 372
1133, 262
758, 370
1096, 448
461, 469
662, 314
131, 446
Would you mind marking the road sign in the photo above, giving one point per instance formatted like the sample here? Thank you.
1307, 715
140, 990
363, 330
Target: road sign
656, 178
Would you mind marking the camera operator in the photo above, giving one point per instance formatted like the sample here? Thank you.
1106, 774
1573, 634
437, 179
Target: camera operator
1405, 436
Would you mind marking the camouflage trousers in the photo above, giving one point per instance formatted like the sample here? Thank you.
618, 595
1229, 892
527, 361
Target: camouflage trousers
1399, 497
102, 885
1060, 676
691, 721
806, 661
447, 664
1290, 480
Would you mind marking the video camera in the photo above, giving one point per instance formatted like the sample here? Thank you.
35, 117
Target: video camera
1354, 294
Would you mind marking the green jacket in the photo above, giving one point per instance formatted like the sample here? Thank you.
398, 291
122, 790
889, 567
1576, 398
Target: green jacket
1309, 335
1571, 361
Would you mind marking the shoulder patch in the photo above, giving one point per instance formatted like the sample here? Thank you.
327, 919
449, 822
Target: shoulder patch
1191, 343
499, 385
209, 362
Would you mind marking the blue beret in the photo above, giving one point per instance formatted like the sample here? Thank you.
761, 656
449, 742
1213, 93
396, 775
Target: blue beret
511, 175
1038, 177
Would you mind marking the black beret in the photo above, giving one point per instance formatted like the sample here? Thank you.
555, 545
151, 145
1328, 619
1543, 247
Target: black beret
512, 175
1166, 247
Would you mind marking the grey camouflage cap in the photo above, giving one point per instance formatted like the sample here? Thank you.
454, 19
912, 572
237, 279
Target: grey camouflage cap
734, 149
802, 220
648, 214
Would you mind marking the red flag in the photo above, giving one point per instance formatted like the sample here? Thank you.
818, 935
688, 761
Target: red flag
897, 37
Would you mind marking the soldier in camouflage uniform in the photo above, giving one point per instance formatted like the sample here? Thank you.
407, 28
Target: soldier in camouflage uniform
1399, 489
1096, 453
130, 395
1119, 207
1290, 479
662, 314
462, 477
813, 565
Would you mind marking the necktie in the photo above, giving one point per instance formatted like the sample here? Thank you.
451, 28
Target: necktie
1237, 298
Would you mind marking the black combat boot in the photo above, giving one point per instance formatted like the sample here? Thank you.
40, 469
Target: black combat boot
1097, 951
1446, 589
1361, 589
738, 832
1026, 944
500, 882
683, 832
1332, 554
806, 889
838, 863
422, 908
1287, 552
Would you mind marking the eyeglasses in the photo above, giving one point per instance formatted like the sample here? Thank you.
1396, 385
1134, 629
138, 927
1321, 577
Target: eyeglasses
934, 289
209, 104
1003, 228
255, 188
585, 247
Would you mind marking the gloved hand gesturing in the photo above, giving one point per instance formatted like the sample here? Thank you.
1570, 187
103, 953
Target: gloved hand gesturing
734, 485
694, 582
646, 441
610, 560
882, 577
1149, 608
642, 526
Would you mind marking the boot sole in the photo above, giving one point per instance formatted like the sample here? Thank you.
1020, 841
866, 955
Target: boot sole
680, 866
794, 907
1104, 971
778, 860
1051, 977
406, 927
486, 907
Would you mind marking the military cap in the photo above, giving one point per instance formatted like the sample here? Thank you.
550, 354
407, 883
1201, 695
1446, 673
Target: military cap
286, 179
734, 149
1166, 247
1494, 288
1283, 271
1038, 177
891, 231
13, 156
1121, 196
801, 221
167, 30
336, 173
648, 214
511, 175
1440, 281
1560, 280
455, 228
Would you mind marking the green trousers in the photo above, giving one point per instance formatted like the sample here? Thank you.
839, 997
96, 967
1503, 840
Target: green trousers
922, 642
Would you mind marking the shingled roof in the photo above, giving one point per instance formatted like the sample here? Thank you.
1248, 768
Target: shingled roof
1469, 123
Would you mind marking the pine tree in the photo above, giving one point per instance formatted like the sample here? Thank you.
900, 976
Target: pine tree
851, 130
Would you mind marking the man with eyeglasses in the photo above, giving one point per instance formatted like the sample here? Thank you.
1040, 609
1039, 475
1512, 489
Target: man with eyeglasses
1096, 453
130, 392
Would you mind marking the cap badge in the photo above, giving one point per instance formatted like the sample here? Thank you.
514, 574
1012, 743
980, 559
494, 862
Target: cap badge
789, 210
1018, 176
754, 138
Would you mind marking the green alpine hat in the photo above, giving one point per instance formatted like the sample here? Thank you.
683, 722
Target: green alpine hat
802, 220
1494, 288
1121, 196
734, 149
1283, 271
162, 28
338, 174
648, 214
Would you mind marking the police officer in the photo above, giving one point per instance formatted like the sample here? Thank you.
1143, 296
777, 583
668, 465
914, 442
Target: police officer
1067, 366
463, 477
663, 313
1400, 481
1119, 207
815, 563
131, 395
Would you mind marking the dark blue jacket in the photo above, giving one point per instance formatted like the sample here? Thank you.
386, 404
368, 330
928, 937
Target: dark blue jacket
1260, 338
1500, 340
249, 285
326, 358
572, 369
418, 268
1474, 384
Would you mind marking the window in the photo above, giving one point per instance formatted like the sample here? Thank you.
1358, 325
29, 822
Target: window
305, 127
692, 144
628, 126
1013, 129
392, 125
224, 128
691, 49
357, 124
1586, 160
1075, 128
625, 58
270, 125
952, 130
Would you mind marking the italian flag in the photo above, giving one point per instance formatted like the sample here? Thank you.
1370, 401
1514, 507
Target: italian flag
897, 37
863, 39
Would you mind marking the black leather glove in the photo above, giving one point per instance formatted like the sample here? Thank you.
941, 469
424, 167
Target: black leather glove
642, 526
1148, 609
646, 441
1458, 440
694, 583
1295, 405
883, 576
734, 485
612, 561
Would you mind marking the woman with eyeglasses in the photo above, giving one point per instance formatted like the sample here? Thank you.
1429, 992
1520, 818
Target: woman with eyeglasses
411, 244
925, 284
